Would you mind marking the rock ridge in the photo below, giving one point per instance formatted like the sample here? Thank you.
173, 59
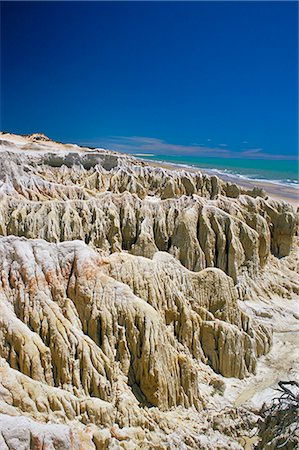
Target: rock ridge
122, 292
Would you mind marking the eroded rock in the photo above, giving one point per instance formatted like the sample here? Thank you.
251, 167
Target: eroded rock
120, 290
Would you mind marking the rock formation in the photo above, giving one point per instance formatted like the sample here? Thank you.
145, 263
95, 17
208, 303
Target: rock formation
121, 297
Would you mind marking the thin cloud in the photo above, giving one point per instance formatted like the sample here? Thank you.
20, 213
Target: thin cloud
146, 144
137, 139
252, 151
245, 142
258, 153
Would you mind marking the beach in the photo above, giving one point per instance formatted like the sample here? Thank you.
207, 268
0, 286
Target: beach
288, 194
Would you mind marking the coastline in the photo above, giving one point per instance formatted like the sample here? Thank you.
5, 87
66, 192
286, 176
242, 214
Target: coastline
102, 231
278, 192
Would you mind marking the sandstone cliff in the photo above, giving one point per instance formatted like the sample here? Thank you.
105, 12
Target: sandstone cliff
121, 296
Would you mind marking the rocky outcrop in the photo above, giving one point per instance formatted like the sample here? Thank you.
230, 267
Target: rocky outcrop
115, 203
23, 433
198, 232
200, 309
120, 290
66, 323
81, 347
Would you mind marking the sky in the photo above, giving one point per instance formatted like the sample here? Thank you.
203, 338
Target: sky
196, 78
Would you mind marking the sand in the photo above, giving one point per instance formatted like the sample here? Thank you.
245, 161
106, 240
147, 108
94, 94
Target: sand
278, 192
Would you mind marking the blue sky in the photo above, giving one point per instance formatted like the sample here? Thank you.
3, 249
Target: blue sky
198, 78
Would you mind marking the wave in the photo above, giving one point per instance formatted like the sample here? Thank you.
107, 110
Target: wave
229, 173
283, 182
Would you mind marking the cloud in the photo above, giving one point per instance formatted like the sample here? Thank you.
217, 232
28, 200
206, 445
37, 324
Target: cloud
145, 144
245, 142
132, 144
258, 153
252, 151
137, 139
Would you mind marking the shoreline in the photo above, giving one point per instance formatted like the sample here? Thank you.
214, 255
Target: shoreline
287, 194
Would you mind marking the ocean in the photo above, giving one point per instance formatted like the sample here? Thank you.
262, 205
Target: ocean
281, 172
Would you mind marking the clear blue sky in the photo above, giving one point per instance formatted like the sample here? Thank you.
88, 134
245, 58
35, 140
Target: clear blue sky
199, 77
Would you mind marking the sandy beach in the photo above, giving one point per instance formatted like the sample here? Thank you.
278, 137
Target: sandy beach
278, 192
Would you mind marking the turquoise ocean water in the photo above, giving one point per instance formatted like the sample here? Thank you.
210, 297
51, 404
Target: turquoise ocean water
283, 172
